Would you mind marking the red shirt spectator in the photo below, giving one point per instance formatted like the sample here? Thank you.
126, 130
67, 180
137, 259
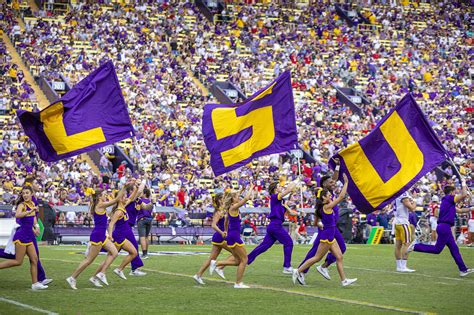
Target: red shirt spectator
121, 169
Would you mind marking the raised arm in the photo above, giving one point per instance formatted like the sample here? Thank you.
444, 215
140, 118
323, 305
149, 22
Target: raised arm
289, 189
247, 197
409, 203
342, 194
113, 201
463, 195
137, 189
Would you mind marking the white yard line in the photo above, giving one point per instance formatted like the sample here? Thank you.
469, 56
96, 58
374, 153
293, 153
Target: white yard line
411, 273
30, 307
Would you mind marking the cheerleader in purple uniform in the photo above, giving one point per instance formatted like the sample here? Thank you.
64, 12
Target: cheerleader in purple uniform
98, 240
232, 227
24, 237
324, 211
218, 239
119, 227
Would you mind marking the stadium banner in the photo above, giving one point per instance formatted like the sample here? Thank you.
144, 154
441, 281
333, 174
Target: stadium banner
400, 150
263, 124
91, 115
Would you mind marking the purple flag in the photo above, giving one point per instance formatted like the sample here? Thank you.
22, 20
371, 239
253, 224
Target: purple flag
91, 115
263, 124
400, 150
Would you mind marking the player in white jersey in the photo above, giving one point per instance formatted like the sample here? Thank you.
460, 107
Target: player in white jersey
434, 212
403, 205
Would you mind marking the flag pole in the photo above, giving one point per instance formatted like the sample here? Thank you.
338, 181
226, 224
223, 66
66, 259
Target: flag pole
461, 179
135, 147
459, 175
301, 188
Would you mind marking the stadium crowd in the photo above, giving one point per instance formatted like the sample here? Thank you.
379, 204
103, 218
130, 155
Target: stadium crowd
161, 49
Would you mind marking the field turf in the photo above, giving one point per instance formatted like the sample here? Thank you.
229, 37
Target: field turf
168, 288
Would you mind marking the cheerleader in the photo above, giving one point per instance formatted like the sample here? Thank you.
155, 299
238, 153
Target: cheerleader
24, 237
232, 227
119, 228
275, 230
324, 211
218, 239
98, 240
33, 183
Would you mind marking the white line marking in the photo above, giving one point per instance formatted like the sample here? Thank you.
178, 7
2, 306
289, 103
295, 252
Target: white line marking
412, 273
444, 283
40, 310
318, 296
144, 288
397, 283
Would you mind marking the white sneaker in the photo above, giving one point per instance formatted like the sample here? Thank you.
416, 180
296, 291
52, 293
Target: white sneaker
411, 247
137, 273
347, 282
324, 272
38, 286
465, 273
87, 249
145, 257
241, 286
407, 270
101, 276
220, 272
198, 279
95, 282
288, 271
46, 281
72, 283
120, 273
212, 267
294, 275
298, 276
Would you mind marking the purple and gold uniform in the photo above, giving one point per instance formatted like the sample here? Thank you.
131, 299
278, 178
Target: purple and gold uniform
275, 232
330, 258
129, 235
132, 212
233, 234
447, 214
99, 233
329, 226
121, 228
24, 235
217, 238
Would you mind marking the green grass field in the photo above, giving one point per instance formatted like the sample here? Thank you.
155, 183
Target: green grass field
168, 288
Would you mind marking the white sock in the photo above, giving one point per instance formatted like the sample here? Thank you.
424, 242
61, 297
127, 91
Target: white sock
404, 264
399, 264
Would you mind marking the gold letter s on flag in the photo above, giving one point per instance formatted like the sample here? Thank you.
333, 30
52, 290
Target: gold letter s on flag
53, 126
366, 177
226, 123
